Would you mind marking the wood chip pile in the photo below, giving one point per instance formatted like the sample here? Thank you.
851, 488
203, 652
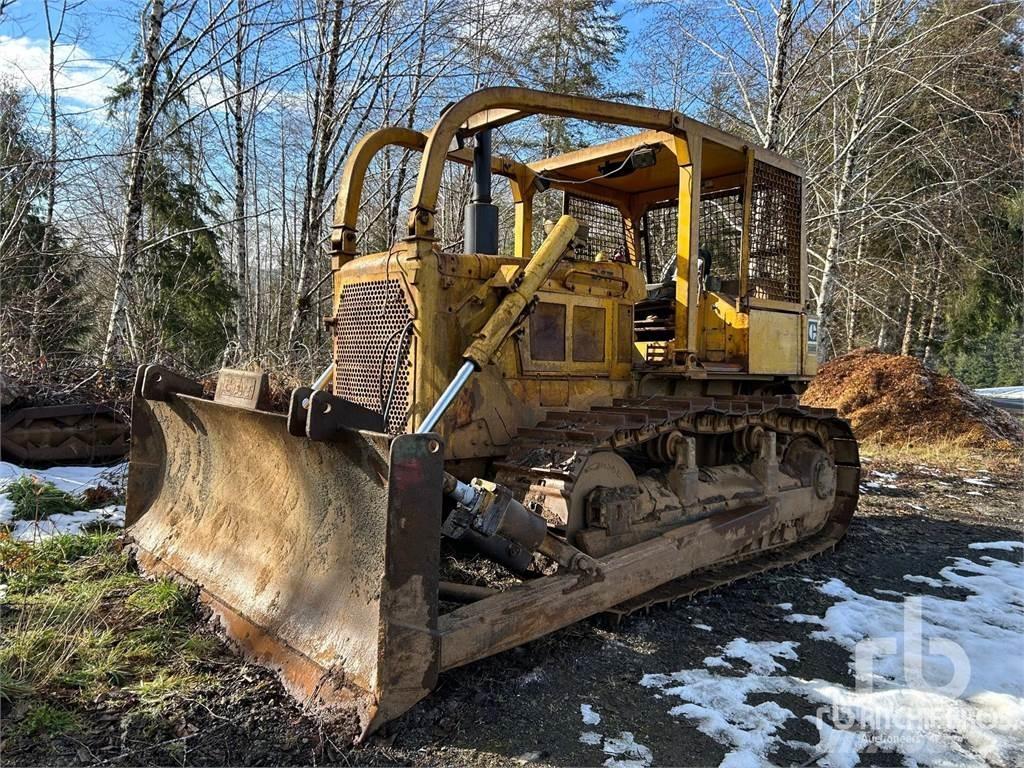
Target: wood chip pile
894, 400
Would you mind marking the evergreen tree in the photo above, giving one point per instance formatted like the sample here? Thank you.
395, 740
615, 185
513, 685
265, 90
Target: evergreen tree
185, 296
64, 318
181, 297
574, 48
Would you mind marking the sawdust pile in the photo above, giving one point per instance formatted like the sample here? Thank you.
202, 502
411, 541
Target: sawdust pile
894, 400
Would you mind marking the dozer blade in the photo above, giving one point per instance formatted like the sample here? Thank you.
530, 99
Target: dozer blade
321, 559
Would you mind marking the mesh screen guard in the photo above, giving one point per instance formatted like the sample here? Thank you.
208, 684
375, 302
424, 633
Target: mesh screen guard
775, 234
606, 231
373, 338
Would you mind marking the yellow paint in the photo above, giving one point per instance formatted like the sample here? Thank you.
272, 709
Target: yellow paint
724, 330
451, 297
688, 155
776, 342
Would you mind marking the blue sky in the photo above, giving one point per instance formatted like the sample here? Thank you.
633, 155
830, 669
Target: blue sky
99, 34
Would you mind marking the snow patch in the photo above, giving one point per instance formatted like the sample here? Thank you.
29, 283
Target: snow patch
785, 606
74, 523
924, 580
626, 752
590, 717
702, 627
1005, 546
716, 661
623, 750
762, 655
719, 705
904, 700
885, 475
71, 480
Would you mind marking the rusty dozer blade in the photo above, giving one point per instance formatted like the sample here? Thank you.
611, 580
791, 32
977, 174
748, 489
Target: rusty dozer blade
321, 559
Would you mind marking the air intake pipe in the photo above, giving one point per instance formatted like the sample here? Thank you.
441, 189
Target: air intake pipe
481, 229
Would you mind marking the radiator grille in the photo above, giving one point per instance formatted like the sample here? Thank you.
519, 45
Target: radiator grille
373, 333
775, 234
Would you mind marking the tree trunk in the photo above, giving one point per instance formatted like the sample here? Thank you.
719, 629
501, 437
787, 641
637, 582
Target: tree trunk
837, 220
936, 314
237, 110
129, 241
46, 257
908, 320
316, 173
414, 97
783, 37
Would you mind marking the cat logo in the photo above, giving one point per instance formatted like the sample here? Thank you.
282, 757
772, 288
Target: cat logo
812, 336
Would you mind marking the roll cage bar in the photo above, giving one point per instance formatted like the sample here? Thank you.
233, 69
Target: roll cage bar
494, 107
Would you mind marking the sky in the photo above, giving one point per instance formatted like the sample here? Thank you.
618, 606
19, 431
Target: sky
99, 34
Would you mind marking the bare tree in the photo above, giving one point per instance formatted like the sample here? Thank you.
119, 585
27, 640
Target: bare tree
153, 56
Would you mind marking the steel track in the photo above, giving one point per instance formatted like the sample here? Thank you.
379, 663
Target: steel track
557, 448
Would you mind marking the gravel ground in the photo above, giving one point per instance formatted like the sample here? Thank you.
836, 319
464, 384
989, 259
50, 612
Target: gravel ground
524, 706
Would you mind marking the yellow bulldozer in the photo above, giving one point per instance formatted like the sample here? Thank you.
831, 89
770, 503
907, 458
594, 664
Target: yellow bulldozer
607, 415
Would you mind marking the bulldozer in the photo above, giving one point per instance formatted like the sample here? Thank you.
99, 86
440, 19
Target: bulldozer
602, 407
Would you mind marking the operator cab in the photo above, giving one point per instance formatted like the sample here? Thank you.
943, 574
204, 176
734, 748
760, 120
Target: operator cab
710, 263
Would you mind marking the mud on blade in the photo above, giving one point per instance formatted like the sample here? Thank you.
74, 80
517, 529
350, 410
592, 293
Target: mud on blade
320, 559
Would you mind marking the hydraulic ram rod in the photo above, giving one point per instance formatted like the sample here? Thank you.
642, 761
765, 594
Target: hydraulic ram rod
497, 328
449, 394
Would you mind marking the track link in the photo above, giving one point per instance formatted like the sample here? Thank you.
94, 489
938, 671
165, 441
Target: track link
551, 455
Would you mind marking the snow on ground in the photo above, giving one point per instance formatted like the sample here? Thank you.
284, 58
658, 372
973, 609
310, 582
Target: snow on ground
623, 750
1005, 546
34, 530
70, 479
940, 680
1003, 393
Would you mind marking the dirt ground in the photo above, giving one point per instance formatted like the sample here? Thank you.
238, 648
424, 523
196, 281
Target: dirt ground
524, 706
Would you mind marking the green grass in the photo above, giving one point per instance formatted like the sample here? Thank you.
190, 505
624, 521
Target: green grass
46, 719
35, 499
79, 624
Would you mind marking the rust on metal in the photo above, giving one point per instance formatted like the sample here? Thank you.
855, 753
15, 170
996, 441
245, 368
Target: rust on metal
243, 389
626, 421
547, 332
320, 558
73, 433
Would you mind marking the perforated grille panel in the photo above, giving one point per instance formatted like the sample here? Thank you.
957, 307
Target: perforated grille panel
721, 233
775, 234
372, 336
605, 229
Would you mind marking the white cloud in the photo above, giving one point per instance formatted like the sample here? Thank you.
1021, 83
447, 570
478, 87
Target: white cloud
81, 78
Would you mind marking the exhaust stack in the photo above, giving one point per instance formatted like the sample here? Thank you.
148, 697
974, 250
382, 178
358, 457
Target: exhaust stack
481, 229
